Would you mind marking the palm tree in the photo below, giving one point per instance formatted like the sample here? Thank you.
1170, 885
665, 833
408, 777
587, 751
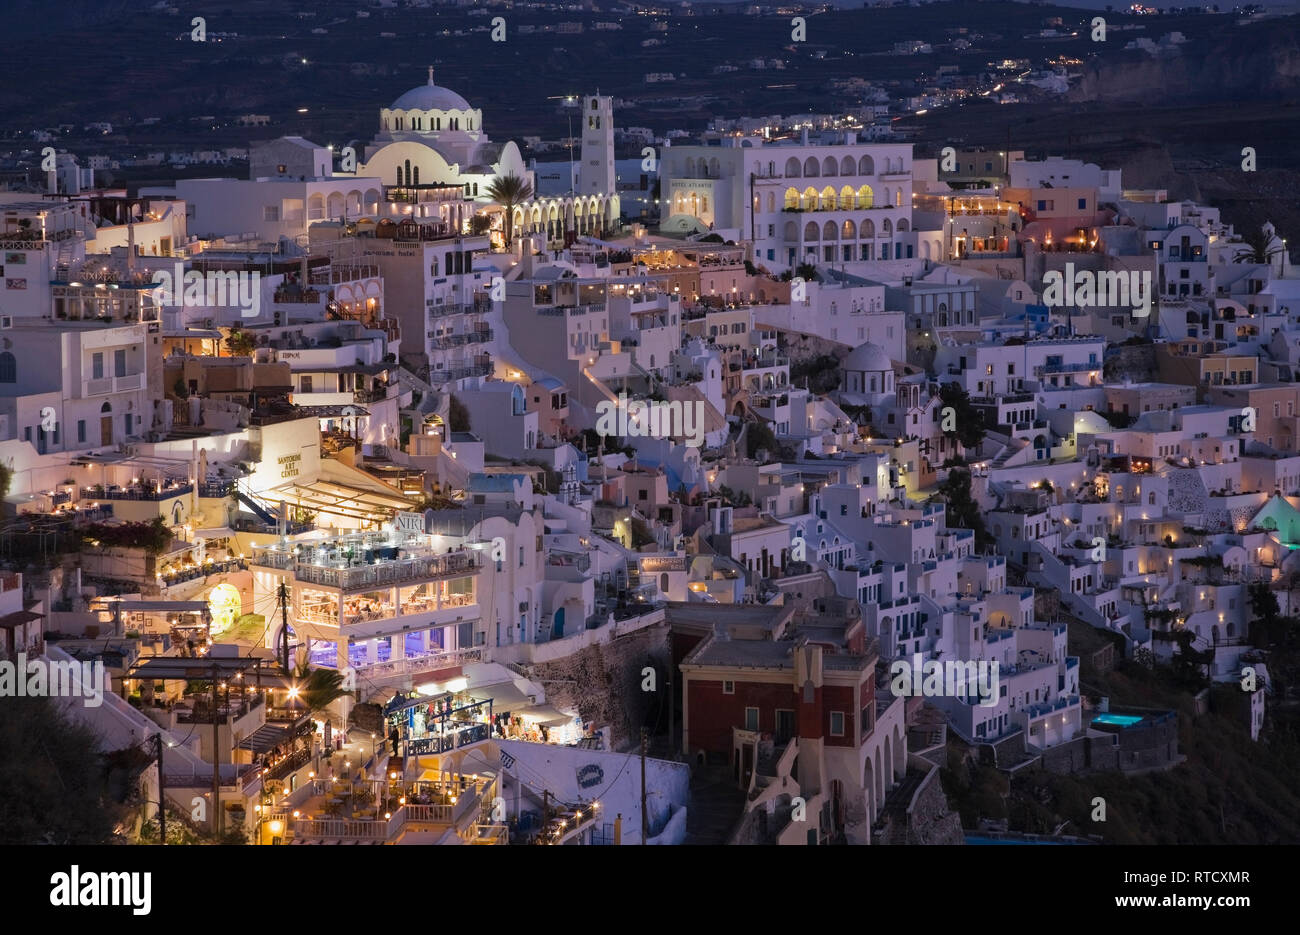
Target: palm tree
1258, 247
508, 191
319, 688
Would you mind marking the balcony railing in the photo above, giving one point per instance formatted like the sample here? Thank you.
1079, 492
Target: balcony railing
342, 274
373, 395
113, 492
479, 306
414, 665
460, 340
352, 578
459, 373
453, 740
104, 385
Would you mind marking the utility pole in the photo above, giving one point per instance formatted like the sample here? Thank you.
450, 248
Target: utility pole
216, 758
645, 818
283, 595
162, 800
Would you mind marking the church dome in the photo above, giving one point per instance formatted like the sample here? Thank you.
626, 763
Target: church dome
867, 358
431, 97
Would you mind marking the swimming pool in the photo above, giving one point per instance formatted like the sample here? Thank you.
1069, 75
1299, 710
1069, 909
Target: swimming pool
1117, 720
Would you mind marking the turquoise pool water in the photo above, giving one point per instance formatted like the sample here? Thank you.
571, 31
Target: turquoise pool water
1118, 720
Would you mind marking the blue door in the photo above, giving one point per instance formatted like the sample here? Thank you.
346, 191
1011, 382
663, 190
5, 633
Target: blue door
557, 626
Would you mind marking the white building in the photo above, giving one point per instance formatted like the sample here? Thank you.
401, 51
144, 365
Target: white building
840, 202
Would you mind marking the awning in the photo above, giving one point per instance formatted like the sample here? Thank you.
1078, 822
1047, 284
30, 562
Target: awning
18, 618
546, 715
267, 737
214, 532
340, 499
505, 696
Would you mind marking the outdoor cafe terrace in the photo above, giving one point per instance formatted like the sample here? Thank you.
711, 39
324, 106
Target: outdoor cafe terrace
362, 561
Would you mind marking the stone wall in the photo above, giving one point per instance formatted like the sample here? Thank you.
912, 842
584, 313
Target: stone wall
1136, 362
602, 682
928, 820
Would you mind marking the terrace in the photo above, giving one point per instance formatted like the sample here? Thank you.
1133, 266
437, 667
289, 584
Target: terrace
361, 561
140, 490
357, 810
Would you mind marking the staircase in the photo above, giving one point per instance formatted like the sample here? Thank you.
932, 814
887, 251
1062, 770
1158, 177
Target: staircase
63, 263
1009, 452
256, 505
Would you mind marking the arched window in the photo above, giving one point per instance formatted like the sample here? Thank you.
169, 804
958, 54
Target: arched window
8, 368
810, 168
416, 177
792, 168
107, 407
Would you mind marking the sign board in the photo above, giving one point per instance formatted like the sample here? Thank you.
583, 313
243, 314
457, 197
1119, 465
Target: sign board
410, 522
590, 775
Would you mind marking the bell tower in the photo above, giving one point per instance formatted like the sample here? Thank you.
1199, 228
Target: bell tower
596, 171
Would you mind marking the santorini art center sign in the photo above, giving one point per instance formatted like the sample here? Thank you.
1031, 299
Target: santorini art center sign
289, 465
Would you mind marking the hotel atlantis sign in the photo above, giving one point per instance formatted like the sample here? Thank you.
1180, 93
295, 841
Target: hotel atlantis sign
290, 465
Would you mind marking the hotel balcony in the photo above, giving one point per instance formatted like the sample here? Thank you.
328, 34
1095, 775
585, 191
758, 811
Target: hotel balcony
144, 492
387, 566
371, 395
460, 372
559, 311
446, 342
102, 386
383, 618
481, 305
340, 274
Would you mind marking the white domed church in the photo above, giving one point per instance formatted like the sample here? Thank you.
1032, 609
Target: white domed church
431, 136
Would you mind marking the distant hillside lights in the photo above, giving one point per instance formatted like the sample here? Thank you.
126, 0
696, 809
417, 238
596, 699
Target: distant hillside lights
1105, 289
212, 289
637, 418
